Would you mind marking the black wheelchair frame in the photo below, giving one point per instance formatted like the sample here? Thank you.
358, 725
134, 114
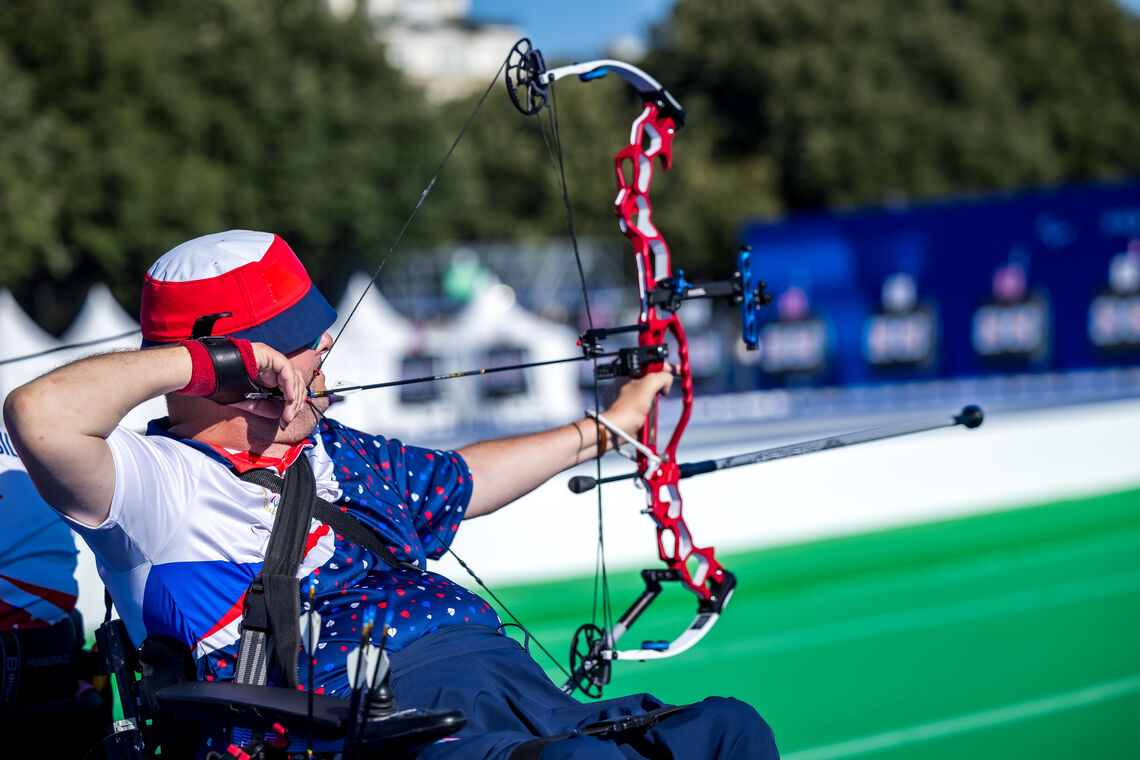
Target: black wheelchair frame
165, 710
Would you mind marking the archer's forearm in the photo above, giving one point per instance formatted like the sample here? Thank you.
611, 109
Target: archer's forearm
89, 397
59, 422
505, 469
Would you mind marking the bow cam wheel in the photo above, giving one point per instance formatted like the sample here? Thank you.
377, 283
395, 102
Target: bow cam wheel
590, 672
524, 67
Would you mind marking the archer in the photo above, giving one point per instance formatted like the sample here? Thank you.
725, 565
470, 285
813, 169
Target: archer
184, 521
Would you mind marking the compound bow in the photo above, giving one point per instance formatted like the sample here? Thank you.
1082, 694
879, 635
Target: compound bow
661, 294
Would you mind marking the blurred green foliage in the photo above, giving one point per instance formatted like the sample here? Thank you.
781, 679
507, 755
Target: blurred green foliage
128, 126
870, 101
132, 125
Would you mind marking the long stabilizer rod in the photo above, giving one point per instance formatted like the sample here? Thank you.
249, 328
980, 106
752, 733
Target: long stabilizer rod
970, 417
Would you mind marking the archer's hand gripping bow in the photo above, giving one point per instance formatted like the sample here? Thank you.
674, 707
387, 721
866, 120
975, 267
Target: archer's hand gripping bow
661, 295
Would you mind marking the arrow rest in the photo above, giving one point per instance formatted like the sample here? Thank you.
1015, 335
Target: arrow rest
635, 361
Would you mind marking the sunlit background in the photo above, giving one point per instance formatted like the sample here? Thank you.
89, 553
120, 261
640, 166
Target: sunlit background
944, 202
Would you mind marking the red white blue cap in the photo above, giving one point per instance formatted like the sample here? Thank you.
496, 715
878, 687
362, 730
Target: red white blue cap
253, 275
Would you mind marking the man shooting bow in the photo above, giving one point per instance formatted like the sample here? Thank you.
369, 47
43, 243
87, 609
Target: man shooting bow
179, 537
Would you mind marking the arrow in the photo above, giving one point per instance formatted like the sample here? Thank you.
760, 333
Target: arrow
970, 417
347, 389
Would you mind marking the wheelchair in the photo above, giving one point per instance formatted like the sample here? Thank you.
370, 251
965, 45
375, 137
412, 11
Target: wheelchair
33, 728
165, 712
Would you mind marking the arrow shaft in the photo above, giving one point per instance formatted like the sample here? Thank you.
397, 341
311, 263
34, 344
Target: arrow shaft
448, 376
820, 444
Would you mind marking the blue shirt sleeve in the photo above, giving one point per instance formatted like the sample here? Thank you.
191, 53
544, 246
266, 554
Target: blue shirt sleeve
444, 492
435, 486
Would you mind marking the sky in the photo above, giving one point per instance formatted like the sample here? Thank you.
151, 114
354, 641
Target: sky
583, 29
576, 30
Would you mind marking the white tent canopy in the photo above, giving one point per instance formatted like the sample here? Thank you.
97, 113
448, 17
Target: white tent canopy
368, 350
100, 318
22, 337
493, 322
379, 345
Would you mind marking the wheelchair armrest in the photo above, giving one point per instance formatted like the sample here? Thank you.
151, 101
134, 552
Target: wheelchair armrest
259, 707
255, 707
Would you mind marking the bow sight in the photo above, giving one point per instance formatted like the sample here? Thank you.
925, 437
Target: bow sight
741, 289
668, 294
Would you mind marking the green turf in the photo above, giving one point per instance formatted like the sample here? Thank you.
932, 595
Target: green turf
1013, 634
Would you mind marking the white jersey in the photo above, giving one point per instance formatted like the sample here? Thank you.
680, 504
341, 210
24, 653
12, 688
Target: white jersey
185, 538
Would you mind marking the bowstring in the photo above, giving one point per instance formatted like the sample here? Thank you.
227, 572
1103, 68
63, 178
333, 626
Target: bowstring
553, 143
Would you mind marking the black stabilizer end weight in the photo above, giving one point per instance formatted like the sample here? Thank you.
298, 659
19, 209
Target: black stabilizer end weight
971, 417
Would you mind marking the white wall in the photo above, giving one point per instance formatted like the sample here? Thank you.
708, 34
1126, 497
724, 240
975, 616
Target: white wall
1013, 460
1016, 459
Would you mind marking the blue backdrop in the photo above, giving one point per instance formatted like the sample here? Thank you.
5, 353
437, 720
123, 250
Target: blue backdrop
1034, 281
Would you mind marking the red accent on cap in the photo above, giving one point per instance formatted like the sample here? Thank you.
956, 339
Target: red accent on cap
255, 293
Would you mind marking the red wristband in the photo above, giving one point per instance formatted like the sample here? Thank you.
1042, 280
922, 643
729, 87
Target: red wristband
246, 348
202, 377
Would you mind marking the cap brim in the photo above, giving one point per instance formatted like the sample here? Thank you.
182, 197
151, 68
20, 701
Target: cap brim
296, 327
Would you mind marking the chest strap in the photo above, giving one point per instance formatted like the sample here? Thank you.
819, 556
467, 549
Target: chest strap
342, 522
273, 601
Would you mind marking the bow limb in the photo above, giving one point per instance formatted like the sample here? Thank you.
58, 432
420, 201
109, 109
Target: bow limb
660, 293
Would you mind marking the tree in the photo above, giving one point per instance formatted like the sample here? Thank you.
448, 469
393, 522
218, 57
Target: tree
29, 201
127, 126
149, 122
863, 100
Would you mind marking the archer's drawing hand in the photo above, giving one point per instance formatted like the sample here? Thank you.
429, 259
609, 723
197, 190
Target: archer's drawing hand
275, 370
628, 401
